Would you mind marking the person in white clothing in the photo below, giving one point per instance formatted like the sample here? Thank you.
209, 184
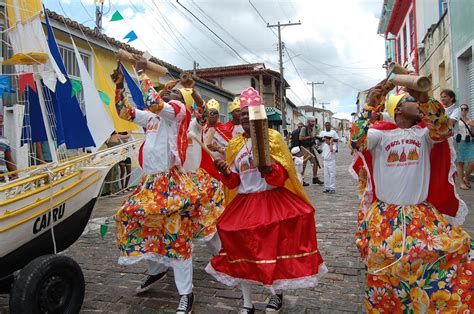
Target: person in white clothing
453, 112
298, 159
329, 157
403, 233
328, 131
156, 222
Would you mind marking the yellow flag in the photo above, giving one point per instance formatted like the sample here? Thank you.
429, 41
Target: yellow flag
105, 85
24, 8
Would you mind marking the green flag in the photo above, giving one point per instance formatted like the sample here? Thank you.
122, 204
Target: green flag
76, 87
116, 17
104, 97
103, 230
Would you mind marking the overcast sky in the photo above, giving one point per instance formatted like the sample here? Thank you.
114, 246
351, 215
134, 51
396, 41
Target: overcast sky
337, 40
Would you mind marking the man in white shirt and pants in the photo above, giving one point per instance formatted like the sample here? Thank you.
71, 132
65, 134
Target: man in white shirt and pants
330, 138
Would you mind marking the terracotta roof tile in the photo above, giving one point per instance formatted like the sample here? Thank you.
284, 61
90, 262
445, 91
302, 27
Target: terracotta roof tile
118, 44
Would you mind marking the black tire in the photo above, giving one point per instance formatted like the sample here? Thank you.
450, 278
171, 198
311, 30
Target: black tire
48, 284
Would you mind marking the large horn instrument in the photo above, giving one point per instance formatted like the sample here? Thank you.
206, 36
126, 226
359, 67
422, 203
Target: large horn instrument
150, 66
401, 77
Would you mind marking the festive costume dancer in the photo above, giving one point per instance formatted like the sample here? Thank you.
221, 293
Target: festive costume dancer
216, 133
234, 124
267, 230
416, 260
155, 224
200, 168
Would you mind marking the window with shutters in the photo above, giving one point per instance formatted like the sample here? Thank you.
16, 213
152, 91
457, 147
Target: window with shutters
412, 31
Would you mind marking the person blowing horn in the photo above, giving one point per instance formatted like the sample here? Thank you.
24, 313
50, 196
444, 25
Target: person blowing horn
417, 259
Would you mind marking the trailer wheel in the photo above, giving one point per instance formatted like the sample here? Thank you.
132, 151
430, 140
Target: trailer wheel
48, 284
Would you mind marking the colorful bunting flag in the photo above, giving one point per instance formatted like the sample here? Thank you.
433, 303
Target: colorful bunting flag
103, 230
116, 17
134, 89
76, 87
104, 97
5, 85
26, 80
131, 36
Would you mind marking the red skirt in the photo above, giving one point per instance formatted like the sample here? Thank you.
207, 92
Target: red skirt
268, 238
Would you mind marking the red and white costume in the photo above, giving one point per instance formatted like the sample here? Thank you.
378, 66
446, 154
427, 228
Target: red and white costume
267, 230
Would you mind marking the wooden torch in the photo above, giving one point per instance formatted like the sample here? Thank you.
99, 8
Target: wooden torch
259, 132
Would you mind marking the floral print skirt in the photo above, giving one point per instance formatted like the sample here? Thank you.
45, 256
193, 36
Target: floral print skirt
211, 205
165, 213
416, 261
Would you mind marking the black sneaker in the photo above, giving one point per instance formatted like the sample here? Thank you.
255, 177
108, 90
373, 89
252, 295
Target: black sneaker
305, 184
317, 181
149, 281
247, 310
185, 304
274, 304
325, 191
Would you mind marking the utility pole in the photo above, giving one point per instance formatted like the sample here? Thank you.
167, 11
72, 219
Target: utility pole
282, 79
324, 103
195, 66
312, 91
99, 12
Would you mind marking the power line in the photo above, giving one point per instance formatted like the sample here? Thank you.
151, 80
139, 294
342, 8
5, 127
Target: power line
222, 28
173, 35
200, 28
296, 70
263, 19
214, 33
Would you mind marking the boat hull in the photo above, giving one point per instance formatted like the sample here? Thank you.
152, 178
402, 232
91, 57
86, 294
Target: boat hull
66, 233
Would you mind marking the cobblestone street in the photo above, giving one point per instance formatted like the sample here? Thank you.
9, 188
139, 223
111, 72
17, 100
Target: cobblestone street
110, 287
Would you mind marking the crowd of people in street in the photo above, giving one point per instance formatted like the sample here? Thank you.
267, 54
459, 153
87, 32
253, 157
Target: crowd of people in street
202, 183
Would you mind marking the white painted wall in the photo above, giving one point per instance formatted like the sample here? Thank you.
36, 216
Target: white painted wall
236, 84
427, 13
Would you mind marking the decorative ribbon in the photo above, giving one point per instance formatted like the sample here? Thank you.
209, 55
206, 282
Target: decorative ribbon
26, 80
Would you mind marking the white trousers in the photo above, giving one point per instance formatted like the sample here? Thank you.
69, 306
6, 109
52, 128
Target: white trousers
183, 274
330, 174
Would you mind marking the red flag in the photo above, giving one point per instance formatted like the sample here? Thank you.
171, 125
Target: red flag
24, 80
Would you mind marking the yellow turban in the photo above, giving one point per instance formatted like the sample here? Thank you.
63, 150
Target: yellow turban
187, 96
392, 103
235, 104
213, 104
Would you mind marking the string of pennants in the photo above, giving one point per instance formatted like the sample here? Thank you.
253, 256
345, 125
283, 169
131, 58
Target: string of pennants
131, 36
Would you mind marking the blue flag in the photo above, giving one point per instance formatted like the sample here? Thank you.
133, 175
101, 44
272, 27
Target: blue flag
131, 36
134, 89
69, 118
5, 85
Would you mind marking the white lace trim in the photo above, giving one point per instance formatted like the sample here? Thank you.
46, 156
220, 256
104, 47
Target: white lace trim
152, 257
283, 284
463, 209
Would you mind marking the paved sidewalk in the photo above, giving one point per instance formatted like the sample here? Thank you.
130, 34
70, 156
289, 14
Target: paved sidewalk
110, 287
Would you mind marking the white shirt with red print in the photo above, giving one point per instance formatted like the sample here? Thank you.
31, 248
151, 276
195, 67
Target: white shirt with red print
401, 164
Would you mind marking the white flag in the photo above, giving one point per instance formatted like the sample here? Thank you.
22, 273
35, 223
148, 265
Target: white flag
98, 120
